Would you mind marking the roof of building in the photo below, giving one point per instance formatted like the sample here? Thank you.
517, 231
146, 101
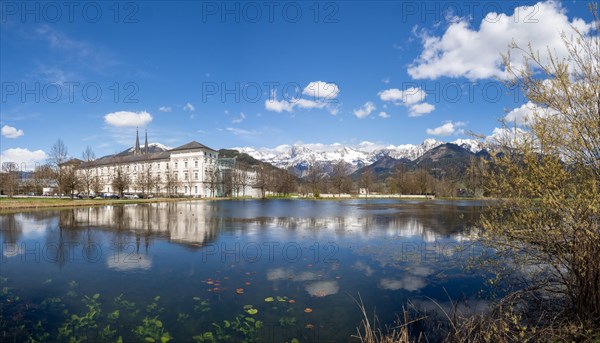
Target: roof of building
130, 155
192, 145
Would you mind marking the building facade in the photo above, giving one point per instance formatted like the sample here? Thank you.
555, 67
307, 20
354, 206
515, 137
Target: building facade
192, 169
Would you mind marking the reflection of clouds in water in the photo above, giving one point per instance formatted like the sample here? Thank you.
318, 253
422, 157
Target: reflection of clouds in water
322, 288
359, 265
130, 263
277, 274
410, 283
11, 250
282, 274
420, 271
315, 289
32, 227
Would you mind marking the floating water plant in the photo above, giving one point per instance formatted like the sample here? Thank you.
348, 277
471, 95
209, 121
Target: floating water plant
200, 305
252, 311
287, 321
269, 299
308, 310
152, 330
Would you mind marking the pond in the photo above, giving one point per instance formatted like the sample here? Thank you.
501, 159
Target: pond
253, 270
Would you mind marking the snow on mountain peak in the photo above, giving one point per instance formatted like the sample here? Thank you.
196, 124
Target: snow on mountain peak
365, 153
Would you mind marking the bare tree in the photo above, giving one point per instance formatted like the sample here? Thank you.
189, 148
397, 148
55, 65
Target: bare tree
171, 183
121, 179
69, 180
339, 176
42, 177
58, 155
262, 179
88, 155
10, 176
243, 177
212, 178
366, 180
96, 185
316, 175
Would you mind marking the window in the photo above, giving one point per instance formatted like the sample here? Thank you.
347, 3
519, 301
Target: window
196, 163
185, 164
185, 176
184, 189
195, 189
196, 175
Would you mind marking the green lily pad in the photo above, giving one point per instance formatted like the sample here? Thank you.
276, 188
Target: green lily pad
252, 311
269, 299
247, 307
280, 299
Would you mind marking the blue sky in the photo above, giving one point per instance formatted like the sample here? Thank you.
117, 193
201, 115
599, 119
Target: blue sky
261, 74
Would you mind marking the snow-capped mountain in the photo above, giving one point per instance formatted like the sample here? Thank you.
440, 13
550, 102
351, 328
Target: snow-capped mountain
152, 148
300, 156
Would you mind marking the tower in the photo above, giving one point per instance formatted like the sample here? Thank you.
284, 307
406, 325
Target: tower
137, 143
146, 143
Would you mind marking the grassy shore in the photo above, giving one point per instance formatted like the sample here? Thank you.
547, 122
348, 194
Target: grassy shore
33, 203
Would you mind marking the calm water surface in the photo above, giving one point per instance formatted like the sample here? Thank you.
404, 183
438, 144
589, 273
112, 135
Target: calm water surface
252, 270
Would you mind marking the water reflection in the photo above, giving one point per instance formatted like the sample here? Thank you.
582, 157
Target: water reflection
385, 250
196, 224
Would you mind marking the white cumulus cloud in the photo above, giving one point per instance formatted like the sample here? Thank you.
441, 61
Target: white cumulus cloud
11, 132
418, 110
275, 105
364, 110
383, 114
446, 129
321, 90
465, 51
21, 155
128, 119
189, 107
165, 109
524, 114
409, 96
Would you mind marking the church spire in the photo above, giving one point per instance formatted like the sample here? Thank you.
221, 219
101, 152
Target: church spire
146, 143
137, 142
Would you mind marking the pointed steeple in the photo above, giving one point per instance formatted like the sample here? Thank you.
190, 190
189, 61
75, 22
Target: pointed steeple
137, 142
146, 143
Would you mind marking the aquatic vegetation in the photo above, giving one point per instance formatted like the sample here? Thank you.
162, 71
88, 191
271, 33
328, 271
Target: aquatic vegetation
114, 315
239, 291
181, 317
152, 330
201, 305
287, 321
73, 285
242, 328
153, 308
269, 299
77, 327
308, 310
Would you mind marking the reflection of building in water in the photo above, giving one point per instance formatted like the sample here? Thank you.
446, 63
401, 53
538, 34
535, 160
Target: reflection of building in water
192, 169
185, 222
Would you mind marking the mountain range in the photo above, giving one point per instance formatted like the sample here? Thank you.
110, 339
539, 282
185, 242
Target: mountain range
300, 156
